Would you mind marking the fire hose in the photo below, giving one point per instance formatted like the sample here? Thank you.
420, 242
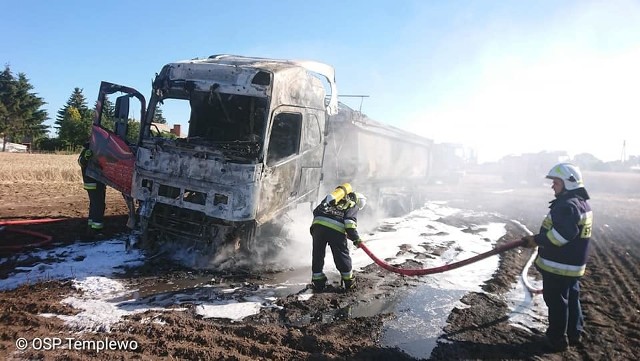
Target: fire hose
525, 270
426, 271
41, 239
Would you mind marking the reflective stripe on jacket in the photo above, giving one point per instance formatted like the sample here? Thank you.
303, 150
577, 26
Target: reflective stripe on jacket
343, 221
564, 236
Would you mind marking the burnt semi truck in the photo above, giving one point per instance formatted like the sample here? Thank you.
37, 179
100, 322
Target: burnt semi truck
264, 136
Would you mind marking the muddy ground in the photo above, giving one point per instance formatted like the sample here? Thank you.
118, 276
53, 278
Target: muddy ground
300, 331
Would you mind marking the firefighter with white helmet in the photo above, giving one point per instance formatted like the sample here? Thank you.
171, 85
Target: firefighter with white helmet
569, 174
563, 242
335, 221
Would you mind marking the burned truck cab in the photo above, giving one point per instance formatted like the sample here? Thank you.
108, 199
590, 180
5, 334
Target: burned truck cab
253, 149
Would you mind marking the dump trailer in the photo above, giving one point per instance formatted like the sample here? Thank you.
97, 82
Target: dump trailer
254, 148
389, 165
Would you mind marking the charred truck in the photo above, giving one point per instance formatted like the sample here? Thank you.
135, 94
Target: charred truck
254, 148
262, 134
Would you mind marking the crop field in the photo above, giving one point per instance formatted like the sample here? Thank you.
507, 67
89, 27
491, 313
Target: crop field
38, 168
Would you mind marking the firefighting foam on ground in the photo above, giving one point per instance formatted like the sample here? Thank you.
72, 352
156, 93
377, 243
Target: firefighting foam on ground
477, 311
95, 270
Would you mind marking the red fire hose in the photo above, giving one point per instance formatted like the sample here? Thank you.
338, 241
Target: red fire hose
40, 239
29, 221
427, 271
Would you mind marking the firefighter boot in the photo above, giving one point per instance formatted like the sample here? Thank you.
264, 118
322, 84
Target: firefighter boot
349, 284
319, 282
94, 230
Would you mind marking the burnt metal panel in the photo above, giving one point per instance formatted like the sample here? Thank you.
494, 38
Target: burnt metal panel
231, 80
213, 178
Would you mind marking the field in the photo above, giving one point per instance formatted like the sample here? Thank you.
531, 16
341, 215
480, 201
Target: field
38, 168
38, 186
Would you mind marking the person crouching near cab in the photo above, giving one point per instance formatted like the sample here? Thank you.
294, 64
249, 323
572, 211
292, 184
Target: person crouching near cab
563, 243
97, 193
335, 221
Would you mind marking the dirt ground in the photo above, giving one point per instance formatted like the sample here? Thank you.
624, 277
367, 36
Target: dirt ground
299, 331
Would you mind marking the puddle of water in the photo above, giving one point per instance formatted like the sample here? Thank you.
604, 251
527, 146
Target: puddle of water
374, 307
421, 313
174, 286
212, 287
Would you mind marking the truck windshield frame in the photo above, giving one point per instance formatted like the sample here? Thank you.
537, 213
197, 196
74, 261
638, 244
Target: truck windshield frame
233, 124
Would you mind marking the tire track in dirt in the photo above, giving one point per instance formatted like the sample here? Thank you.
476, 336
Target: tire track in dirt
611, 268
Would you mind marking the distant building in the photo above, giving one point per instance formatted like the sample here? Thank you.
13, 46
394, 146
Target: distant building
14, 147
165, 129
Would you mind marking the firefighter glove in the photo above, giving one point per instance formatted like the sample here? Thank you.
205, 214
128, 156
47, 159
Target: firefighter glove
529, 242
357, 242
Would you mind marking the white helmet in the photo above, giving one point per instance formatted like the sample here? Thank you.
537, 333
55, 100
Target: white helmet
361, 200
569, 173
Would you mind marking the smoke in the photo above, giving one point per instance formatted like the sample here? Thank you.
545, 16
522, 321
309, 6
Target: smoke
292, 247
297, 253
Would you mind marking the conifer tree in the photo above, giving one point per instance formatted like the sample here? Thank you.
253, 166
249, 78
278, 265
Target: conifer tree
158, 117
21, 116
73, 120
108, 114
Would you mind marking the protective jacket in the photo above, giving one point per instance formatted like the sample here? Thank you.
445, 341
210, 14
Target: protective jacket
83, 161
564, 236
340, 220
96, 191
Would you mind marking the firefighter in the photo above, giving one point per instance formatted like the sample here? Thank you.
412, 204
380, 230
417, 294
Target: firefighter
335, 221
563, 243
96, 191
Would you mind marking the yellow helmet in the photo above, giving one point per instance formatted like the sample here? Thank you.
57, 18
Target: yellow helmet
339, 193
353, 199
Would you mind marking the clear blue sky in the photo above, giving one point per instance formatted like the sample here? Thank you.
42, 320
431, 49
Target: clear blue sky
501, 76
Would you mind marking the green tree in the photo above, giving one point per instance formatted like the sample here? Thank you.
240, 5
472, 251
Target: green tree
21, 116
74, 130
74, 120
157, 115
48, 144
107, 119
133, 130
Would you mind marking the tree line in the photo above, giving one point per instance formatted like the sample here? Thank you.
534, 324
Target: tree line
22, 117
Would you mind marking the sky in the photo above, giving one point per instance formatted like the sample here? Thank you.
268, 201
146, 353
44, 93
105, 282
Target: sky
501, 77
95, 269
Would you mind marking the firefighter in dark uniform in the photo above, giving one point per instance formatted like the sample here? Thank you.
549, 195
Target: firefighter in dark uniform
563, 243
96, 191
335, 221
